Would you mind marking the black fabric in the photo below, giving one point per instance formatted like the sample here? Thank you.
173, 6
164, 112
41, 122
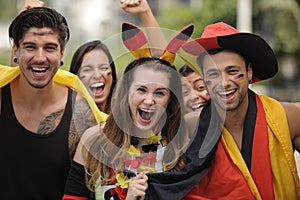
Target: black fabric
149, 147
33, 166
248, 132
75, 184
131, 31
200, 155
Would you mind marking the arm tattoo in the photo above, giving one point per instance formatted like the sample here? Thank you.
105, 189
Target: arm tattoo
50, 122
82, 119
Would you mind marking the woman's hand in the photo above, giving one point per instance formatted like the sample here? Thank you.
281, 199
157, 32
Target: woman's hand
137, 187
139, 7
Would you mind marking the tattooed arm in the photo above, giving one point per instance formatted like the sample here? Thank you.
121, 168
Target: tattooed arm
82, 119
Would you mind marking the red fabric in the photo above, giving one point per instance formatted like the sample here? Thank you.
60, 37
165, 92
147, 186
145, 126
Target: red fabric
226, 181
135, 42
208, 39
261, 169
223, 181
122, 192
179, 39
218, 29
174, 45
71, 197
194, 48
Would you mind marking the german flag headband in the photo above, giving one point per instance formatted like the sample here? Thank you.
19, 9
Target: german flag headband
136, 42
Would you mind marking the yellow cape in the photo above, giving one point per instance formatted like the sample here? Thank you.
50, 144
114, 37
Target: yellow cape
62, 77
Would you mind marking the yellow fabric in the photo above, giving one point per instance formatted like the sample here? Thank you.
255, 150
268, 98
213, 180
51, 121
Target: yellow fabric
122, 181
134, 151
190, 60
153, 138
62, 77
238, 160
168, 56
7, 74
285, 178
142, 52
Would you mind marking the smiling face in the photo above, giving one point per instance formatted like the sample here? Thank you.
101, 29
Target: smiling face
96, 74
194, 91
39, 56
148, 98
227, 79
190, 99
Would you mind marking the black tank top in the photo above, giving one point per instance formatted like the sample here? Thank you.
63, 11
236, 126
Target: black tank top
33, 166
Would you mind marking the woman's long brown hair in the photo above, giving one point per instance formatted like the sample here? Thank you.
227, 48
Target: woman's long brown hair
109, 144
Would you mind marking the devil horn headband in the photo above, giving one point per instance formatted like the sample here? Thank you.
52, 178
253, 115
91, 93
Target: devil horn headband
136, 42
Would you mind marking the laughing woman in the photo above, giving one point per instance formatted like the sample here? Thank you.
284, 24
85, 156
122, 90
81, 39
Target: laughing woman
144, 133
94, 65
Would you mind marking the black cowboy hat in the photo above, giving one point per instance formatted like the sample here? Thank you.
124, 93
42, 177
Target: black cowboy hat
253, 47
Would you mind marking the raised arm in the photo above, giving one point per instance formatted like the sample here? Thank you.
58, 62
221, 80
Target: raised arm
143, 10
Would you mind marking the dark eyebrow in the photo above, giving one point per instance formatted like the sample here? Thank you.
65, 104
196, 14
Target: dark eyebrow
232, 66
28, 43
86, 66
47, 44
143, 86
166, 89
197, 80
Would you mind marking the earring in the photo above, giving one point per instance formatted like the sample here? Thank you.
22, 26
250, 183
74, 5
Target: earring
61, 63
15, 60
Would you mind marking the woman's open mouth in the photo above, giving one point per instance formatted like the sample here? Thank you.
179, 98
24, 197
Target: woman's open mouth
145, 115
97, 88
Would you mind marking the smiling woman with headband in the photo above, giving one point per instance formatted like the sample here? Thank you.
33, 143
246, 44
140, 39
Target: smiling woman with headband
144, 132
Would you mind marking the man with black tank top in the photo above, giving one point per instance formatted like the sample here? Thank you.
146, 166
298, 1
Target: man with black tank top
43, 110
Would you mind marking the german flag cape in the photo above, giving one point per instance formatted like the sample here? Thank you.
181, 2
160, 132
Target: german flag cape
272, 172
200, 155
62, 77
264, 168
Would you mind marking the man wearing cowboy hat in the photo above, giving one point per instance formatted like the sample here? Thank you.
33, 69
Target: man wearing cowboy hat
244, 145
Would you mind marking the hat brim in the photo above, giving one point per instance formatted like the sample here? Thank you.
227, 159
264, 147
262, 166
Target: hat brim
253, 47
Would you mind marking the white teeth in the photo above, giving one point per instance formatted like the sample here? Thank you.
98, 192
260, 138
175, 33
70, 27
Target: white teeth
146, 110
226, 93
97, 85
39, 69
196, 106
